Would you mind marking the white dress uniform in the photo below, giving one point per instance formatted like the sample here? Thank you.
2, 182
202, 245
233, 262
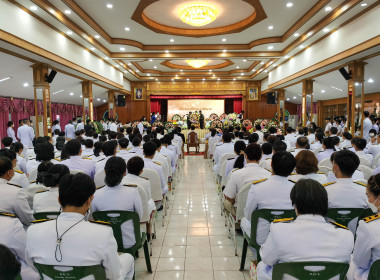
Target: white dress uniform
328, 126
311, 137
325, 154
148, 163
261, 136
46, 201
14, 200
264, 157
130, 155
249, 173
266, 164
133, 179
80, 126
319, 177
367, 126
123, 154
140, 126
13, 235
296, 151
273, 193
308, 238
121, 198
164, 159
173, 159
99, 165
57, 126
33, 164
78, 163
358, 175
292, 138
87, 152
365, 155
230, 165
79, 248
11, 133
316, 145
225, 148
138, 150
367, 248
21, 163
113, 127
374, 149
70, 131
104, 125
345, 144
20, 179
26, 135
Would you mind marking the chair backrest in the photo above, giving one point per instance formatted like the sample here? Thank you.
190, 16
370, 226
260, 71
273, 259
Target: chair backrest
46, 215
364, 161
32, 175
242, 200
99, 178
376, 161
73, 172
324, 169
70, 272
192, 138
310, 270
374, 271
225, 157
144, 200
116, 219
222, 170
212, 144
367, 171
155, 183
317, 150
325, 162
345, 215
165, 170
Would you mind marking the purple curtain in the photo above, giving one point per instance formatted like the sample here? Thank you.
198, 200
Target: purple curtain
299, 109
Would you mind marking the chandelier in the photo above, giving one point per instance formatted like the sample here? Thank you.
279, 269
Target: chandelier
198, 14
197, 63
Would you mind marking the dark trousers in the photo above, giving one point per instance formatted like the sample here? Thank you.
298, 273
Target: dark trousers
201, 124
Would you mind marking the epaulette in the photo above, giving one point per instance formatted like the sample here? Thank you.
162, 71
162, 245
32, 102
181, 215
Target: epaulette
328, 184
361, 184
33, 182
371, 218
42, 191
7, 214
14, 185
268, 158
156, 162
144, 178
57, 159
320, 151
293, 174
88, 158
283, 220
40, 221
18, 171
130, 185
101, 223
268, 170
98, 188
101, 159
259, 181
21, 156
292, 181
129, 149
32, 158
338, 225
233, 170
321, 172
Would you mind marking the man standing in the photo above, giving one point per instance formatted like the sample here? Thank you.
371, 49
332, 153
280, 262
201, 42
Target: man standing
367, 125
70, 130
201, 119
113, 126
11, 132
328, 125
88, 126
26, 134
188, 120
80, 125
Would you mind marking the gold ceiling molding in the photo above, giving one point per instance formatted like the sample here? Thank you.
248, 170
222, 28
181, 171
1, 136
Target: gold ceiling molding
195, 86
227, 63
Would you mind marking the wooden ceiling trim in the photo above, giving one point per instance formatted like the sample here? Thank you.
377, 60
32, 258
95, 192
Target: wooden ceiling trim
168, 64
264, 54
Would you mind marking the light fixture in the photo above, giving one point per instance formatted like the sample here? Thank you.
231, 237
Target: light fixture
150, 60
98, 99
309, 34
203, 79
286, 56
104, 100
287, 99
224, 39
210, 70
274, 65
171, 40
302, 46
122, 49
127, 29
137, 70
326, 30
176, 76
33, 8
237, 67
187, 79
148, 74
270, 47
294, 97
109, 6
67, 12
4, 79
363, 4
69, 32
296, 35
172, 80
198, 14
262, 62
270, 62
58, 91
218, 79
266, 71
323, 91
81, 96
328, 8
97, 36
197, 63
181, 70
155, 67
234, 79
244, 60
336, 88
156, 80
270, 27
356, 84
129, 64
370, 80
167, 51
106, 58
289, 4
71, 93
25, 84
92, 48
125, 71
241, 74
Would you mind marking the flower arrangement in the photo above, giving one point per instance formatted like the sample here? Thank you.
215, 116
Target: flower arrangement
176, 118
135, 123
157, 124
194, 117
213, 117
265, 124
218, 130
215, 124
232, 116
222, 117
169, 125
247, 123
146, 124
227, 123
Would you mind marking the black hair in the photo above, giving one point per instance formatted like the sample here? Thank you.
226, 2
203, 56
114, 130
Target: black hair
44, 151
333, 130
149, 148
366, 114
112, 135
40, 140
272, 130
115, 168
75, 190
64, 153
60, 142
239, 148
102, 138
8, 153
108, 148
329, 143
253, 138
253, 152
123, 142
258, 127
97, 148
227, 137
166, 140
42, 169
73, 147
129, 130
146, 138
347, 162
5, 165
289, 129
271, 139
54, 174
47, 138
95, 135
56, 131
157, 142
10, 267
213, 132
7, 141
192, 127
347, 135
135, 165
302, 141
267, 148
279, 145
88, 143
283, 163
374, 184
360, 143
9, 123
309, 197
136, 141
61, 133
319, 136
17, 147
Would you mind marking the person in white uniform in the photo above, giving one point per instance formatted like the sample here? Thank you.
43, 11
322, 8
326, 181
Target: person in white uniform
21, 160
318, 141
26, 133
113, 126
278, 145
70, 130
75, 162
367, 125
311, 135
11, 132
309, 237
89, 148
79, 126
123, 148
328, 149
328, 125
165, 142
301, 145
140, 126
13, 198
116, 195
104, 125
249, 173
47, 200
19, 177
359, 144
271, 193
346, 141
239, 161
66, 241
257, 130
367, 245
291, 137
227, 147
109, 150
56, 125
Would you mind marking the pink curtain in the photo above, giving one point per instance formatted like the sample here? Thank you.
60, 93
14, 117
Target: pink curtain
238, 105
299, 109
155, 105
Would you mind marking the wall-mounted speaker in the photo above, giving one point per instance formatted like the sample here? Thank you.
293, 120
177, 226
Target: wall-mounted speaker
344, 73
121, 100
271, 98
49, 78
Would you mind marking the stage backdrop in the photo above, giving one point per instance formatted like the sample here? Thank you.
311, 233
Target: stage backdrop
184, 106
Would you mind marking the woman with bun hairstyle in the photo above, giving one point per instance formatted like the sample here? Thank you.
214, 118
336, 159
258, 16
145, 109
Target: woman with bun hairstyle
239, 161
328, 146
47, 200
117, 196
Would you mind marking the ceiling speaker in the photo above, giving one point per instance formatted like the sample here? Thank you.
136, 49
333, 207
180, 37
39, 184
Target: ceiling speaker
345, 74
49, 78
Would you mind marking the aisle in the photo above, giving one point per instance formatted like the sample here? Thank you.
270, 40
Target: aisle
194, 242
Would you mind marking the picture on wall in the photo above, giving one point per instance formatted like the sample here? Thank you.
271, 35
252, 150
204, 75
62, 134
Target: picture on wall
138, 94
253, 94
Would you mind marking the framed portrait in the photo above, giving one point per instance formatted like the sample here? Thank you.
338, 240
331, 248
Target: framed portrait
254, 94
138, 94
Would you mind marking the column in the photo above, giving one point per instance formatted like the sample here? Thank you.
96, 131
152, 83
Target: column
281, 104
111, 104
307, 89
87, 100
355, 104
42, 93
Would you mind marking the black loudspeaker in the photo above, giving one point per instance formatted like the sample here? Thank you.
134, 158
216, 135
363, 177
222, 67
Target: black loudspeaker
271, 99
49, 78
345, 74
121, 101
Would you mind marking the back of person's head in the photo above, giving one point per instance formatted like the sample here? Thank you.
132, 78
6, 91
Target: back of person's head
44, 151
253, 138
115, 169
306, 162
279, 146
333, 130
149, 148
227, 137
112, 135
239, 149
192, 127
236, 134
47, 138
10, 123
253, 152
241, 135
102, 138
136, 141
42, 169
8, 153
347, 135
360, 143
109, 148
366, 114
347, 162
88, 121
146, 138
119, 135
60, 142
54, 174
283, 163
373, 185
40, 140
75, 190
309, 198
328, 142
17, 147
289, 129
61, 134
5, 165
135, 165
73, 147
10, 267
230, 129
97, 148
258, 127
89, 143
319, 136
7, 141
123, 143
56, 131
302, 142
157, 142
166, 140
272, 130
95, 135
129, 130
271, 139
267, 148
213, 132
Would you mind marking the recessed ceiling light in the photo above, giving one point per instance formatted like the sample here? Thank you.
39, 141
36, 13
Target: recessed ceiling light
237, 67
309, 34
287, 99
302, 46
296, 35
187, 79
363, 4
336, 88
150, 60
67, 12
122, 49
270, 47
69, 32
203, 79
234, 79
356, 84
167, 51
104, 100
148, 74
155, 67
370, 80
171, 40
172, 80
98, 99
294, 97
81, 96
33, 8
328, 8
224, 51
326, 30
270, 62
244, 60
262, 62
71, 93
176, 76
213, 75
156, 80
266, 71
274, 65
106, 58
210, 70
92, 48
127, 29
270, 27
125, 71
181, 70
289, 4
109, 6
323, 91
224, 39
97, 36
25, 84
58, 91
137, 70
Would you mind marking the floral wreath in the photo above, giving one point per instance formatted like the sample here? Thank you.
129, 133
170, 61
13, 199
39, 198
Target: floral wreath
232, 116
227, 123
135, 123
157, 124
247, 123
215, 124
213, 117
169, 125
176, 117
146, 124
194, 116
223, 116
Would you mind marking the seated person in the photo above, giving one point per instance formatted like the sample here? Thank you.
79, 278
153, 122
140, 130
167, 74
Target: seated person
44, 152
47, 200
38, 185
123, 147
109, 149
359, 144
307, 238
267, 151
136, 149
239, 160
192, 127
226, 147
118, 196
302, 144
307, 168
81, 243
367, 245
10, 267
7, 142
346, 143
89, 146
319, 136
76, 162
19, 177
328, 148
98, 154
18, 147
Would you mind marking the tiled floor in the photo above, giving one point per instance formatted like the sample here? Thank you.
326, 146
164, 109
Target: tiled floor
194, 242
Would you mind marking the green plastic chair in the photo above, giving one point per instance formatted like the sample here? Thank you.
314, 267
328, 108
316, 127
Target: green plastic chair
345, 215
374, 271
18, 277
117, 218
310, 270
77, 272
269, 215
46, 215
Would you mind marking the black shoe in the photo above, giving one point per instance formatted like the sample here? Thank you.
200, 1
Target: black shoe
148, 236
160, 209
